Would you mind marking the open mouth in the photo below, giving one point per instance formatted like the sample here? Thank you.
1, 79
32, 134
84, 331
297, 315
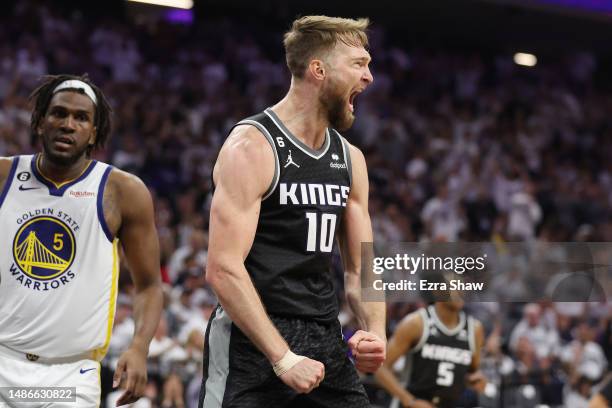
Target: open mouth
351, 101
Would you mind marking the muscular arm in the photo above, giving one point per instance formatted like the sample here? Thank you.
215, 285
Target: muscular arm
242, 174
131, 211
406, 336
357, 228
138, 237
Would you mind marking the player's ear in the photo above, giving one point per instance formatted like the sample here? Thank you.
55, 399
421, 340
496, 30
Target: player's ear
317, 69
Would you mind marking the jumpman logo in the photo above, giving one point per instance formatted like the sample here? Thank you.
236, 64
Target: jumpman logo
290, 161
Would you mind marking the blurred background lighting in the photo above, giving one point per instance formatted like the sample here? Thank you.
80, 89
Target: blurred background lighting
524, 59
181, 4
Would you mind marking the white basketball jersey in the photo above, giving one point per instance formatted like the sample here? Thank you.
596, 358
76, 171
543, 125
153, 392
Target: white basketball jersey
58, 263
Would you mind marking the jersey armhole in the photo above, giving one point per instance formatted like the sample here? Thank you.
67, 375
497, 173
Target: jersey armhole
268, 137
347, 157
100, 206
425, 334
9, 180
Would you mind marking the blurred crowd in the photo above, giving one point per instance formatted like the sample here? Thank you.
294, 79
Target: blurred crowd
459, 146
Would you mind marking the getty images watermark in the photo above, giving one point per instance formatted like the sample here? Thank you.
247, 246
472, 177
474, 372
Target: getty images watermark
422, 264
485, 271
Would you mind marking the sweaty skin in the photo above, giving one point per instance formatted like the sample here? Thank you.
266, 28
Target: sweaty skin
242, 174
244, 171
368, 347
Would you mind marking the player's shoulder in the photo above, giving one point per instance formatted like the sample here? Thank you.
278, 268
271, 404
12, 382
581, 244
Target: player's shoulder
5, 167
246, 159
245, 138
125, 179
5, 163
413, 322
246, 147
124, 185
418, 316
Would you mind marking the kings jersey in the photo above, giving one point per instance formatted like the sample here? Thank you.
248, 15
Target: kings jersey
290, 259
435, 369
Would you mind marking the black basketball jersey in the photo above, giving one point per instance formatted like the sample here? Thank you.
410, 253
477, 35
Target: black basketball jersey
290, 259
435, 369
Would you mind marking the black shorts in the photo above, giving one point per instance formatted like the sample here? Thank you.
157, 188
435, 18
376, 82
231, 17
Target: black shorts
238, 375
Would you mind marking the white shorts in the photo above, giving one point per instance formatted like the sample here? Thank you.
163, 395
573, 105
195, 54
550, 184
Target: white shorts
83, 375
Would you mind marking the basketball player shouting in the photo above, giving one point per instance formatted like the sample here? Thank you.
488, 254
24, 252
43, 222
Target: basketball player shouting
442, 347
286, 182
62, 216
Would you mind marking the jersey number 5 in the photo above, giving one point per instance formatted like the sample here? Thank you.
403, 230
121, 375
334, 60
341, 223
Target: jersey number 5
326, 231
446, 374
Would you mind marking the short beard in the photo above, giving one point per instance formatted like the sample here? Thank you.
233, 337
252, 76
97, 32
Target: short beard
338, 116
60, 160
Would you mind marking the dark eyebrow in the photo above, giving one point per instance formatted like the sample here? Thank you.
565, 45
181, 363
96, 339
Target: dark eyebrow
62, 107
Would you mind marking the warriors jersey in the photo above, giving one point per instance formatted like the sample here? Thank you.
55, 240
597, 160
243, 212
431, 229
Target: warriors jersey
290, 259
59, 263
436, 368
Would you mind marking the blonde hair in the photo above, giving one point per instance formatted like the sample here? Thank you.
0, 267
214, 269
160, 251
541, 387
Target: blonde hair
312, 35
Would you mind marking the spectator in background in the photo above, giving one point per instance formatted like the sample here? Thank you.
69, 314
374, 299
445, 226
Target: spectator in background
532, 333
196, 249
585, 363
442, 216
524, 214
164, 354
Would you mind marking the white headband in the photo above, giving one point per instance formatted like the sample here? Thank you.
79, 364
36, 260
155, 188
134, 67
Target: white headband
76, 84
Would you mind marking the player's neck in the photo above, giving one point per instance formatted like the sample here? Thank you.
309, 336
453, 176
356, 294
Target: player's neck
448, 316
300, 112
61, 173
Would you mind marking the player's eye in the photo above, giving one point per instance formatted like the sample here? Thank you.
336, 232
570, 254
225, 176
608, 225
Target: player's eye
58, 113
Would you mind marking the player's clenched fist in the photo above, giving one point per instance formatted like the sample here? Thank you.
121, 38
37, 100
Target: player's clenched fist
369, 351
300, 373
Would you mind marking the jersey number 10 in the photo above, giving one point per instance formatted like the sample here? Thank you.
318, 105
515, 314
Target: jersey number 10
325, 231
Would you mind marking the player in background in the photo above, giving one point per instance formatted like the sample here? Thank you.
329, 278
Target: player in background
62, 217
441, 345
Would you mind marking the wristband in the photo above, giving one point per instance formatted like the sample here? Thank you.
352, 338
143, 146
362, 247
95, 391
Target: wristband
286, 363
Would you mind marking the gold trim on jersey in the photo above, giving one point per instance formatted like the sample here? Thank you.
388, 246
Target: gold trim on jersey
99, 353
60, 185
